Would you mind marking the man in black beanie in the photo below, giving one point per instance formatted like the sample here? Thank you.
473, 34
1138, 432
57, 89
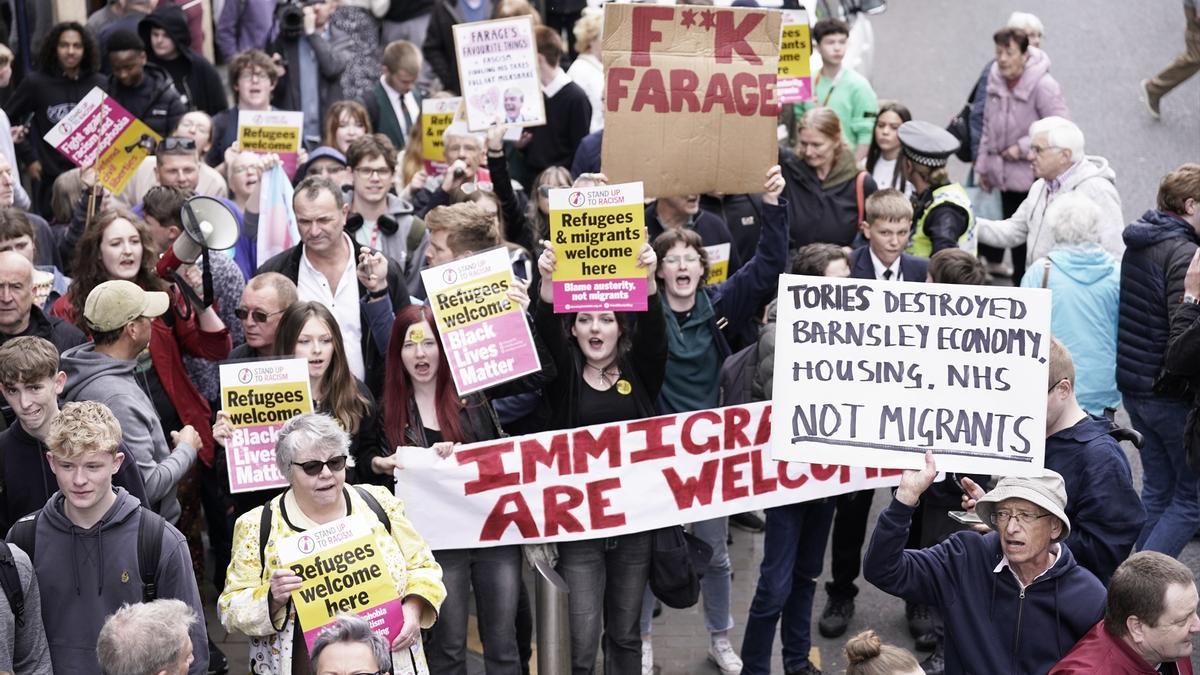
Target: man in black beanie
144, 89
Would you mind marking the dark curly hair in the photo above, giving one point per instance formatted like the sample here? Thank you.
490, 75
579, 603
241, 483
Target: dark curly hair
47, 57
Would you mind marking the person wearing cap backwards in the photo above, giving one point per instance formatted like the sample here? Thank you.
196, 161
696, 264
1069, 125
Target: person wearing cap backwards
1014, 600
120, 314
944, 218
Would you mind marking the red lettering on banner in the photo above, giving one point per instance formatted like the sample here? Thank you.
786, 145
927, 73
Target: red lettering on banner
616, 89
763, 435
557, 512
644, 34
655, 448
762, 484
598, 504
585, 445
766, 84
683, 90
651, 92
736, 420
824, 472
747, 103
490, 467
711, 444
698, 489
718, 92
534, 453
731, 37
730, 475
786, 480
872, 472
500, 518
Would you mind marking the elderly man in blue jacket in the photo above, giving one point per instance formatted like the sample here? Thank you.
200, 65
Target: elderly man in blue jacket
1014, 600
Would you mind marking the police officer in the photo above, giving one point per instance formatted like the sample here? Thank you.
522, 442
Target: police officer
941, 208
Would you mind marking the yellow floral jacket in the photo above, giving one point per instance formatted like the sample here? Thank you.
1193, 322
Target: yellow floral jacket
243, 604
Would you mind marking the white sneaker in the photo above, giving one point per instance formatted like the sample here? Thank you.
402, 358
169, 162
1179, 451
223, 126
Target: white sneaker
721, 653
647, 657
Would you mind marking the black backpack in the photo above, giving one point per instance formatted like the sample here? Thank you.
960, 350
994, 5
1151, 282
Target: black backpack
149, 549
264, 522
10, 579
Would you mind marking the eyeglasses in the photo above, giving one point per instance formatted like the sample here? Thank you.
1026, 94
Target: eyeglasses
315, 467
173, 143
1002, 517
468, 188
372, 171
688, 258
251, 75
258, 315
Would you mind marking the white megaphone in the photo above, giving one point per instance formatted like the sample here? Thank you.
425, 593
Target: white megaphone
207, 224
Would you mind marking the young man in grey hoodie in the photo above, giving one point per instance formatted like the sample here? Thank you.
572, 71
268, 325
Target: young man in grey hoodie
105, 370
85, 546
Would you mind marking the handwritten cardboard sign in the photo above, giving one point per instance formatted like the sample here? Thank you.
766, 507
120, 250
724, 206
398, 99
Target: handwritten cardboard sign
342, 570
498, 68
607, 480
795, 56
690, 97
100, 133
259, 398
272, 132
874, 373
597, 233
437, 114
485, 336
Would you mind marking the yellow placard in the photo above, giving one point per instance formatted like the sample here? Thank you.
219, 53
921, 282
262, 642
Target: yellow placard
269, 139
599, 242
117, 164
718, 263
433, 128
480, 299
795, 51
265, 404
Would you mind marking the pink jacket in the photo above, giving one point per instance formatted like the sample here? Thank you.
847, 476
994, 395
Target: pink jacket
1007, 116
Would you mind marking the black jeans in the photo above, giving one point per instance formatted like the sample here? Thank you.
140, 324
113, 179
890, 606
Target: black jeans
849, 533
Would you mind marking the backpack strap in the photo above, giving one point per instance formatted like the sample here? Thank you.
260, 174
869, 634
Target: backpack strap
1046, 273
24, 533
150, 535
264, 533
10, 579
375, 506
860, 200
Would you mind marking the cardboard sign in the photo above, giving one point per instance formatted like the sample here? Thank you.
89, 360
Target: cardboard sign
874, 373
690, 97
597, 233
100, 133
343, 571
718, 263
485, 335
272, 132
259, 397
437, 114
795, 56
498, 69
612, 479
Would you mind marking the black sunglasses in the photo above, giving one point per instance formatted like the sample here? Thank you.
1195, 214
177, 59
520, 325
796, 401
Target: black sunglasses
314, 467
258, 315
173, 143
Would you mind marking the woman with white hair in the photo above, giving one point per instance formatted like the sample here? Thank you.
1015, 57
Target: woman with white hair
1086, 285
587, 71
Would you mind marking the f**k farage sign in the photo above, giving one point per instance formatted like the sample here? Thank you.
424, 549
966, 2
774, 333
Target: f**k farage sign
485, 335
875, 373
612, 479
259, 397
689, 104
597, 233
342, 570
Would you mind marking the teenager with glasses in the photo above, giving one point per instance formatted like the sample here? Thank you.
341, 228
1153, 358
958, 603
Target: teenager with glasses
253, 76
312, 452
378, 218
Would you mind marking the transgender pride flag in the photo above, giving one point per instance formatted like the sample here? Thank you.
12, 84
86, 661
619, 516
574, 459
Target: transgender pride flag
276, 222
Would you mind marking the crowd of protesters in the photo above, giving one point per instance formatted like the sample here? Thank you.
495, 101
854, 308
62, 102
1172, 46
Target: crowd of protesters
114, 487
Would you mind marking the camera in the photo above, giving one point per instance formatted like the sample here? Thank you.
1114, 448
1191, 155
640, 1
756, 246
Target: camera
289, 14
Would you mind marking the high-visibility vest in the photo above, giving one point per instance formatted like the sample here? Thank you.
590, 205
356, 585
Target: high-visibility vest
921, 245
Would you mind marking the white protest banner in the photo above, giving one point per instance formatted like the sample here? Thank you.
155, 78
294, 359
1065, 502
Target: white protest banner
498, 69
607, 480
259, 398
485, 335
874, 373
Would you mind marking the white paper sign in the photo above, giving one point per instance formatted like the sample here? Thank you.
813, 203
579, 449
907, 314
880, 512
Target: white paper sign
498, 69
874, 373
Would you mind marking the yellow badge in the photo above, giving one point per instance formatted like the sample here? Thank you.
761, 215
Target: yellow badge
124, 576
416, 335
623, 387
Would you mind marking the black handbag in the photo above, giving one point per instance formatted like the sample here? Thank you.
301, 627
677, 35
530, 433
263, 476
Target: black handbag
960, 128
677, 562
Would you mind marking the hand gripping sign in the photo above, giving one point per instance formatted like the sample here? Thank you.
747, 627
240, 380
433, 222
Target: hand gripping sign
342, 570
689, 102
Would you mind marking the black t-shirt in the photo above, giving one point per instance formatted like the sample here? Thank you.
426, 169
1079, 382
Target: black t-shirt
614, 404
432, 436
